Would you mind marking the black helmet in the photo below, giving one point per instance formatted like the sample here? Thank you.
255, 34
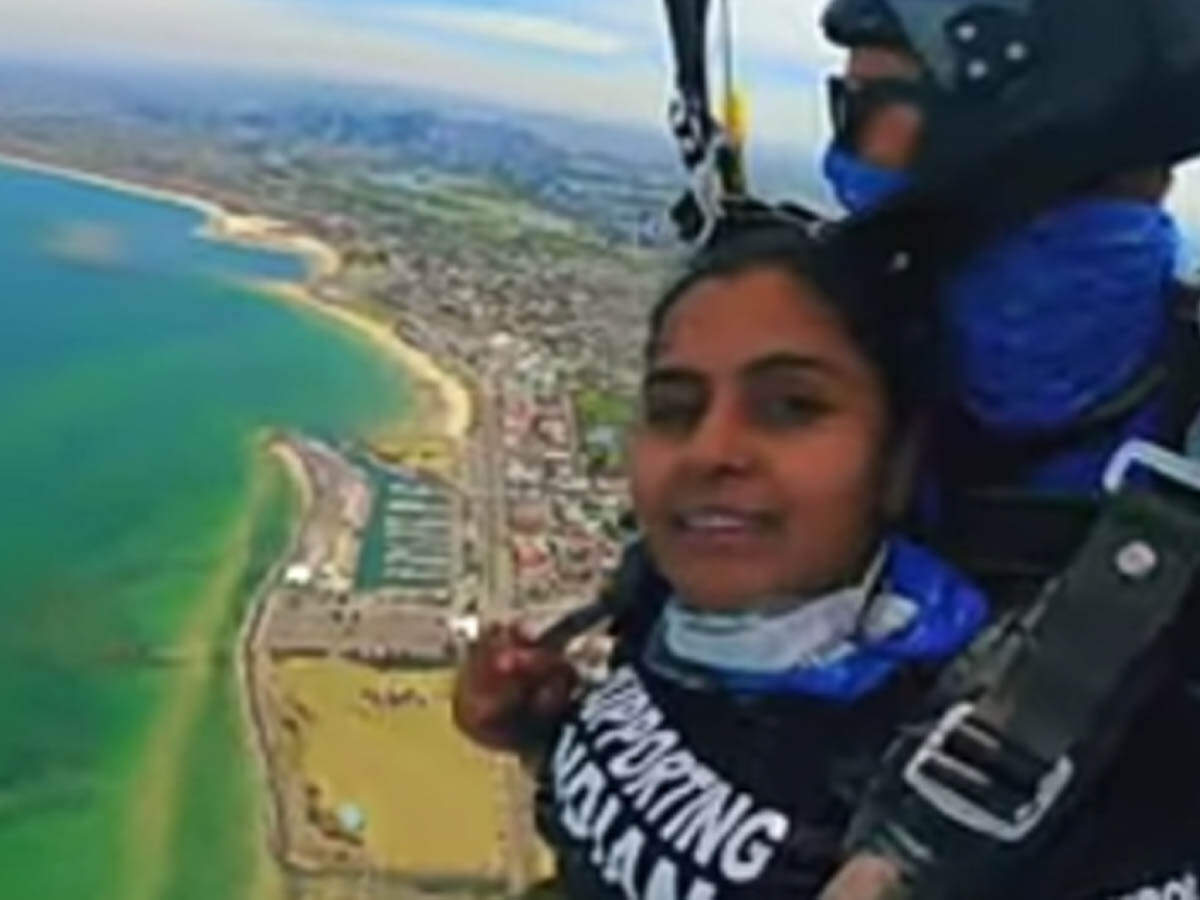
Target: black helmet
1028, 99
856, 23
1008, 73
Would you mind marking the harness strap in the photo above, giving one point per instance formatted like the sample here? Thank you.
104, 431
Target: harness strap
1006, 536
1183, 365
629, 600
688, 25
1013, 539
1100, 622
1050, 698
977, 454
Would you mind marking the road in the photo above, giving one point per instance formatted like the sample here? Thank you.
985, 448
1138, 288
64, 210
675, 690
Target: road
486, 462
498, 582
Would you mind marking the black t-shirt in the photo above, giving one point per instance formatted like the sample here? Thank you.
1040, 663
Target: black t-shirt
655, 791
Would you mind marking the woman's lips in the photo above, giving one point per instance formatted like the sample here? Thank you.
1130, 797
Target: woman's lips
722, 525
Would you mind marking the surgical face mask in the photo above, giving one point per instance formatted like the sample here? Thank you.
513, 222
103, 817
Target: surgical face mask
777, 636
909, 606
858, 185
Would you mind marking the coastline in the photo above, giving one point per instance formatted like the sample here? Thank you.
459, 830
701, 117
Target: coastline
450, 416
269, 875
454, 414
444, 408
266, 233
145, 191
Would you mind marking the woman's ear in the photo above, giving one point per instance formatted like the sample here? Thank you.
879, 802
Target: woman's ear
903, 465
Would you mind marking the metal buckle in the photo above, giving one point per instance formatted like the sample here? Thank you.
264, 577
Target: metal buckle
967, 812
1159, 460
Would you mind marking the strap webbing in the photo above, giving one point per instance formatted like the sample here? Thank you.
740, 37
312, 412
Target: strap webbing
1183, 364
1089, 656
1006, 535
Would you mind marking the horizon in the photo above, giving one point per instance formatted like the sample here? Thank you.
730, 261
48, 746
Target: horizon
538, 58
541, 55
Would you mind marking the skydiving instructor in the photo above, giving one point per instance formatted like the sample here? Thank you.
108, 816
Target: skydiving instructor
1070, 363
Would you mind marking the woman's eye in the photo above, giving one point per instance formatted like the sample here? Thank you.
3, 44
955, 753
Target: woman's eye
783, 410
672, 410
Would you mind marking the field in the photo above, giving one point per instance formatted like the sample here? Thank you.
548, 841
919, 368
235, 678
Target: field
383, 744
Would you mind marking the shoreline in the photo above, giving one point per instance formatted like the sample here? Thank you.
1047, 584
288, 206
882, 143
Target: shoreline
154, 812
454, 415
278, 448
94, 179
266, 233
443, 406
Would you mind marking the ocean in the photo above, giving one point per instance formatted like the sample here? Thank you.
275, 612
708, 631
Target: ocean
138, 376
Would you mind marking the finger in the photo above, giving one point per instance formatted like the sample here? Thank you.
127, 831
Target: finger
500, 683
866, 878
532, 664
553, 696
485, 683
493, 655
484, 712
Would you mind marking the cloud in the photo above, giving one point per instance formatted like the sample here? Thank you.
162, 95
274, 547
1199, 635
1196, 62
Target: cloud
775, 31
785, 30
288, 37
527, 29
608, 62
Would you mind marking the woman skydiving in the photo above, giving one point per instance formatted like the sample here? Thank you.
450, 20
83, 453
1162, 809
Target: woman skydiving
781, 631
747, 704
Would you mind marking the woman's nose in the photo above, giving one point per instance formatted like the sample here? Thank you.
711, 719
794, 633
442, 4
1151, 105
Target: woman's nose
723, 441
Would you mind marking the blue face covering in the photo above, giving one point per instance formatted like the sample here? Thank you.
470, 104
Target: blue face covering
1053, 319
858, 185
1062, 314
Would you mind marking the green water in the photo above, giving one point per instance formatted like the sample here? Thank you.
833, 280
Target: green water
136, 381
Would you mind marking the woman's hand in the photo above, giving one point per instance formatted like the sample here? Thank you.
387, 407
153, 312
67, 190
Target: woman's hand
507, 686
866, 878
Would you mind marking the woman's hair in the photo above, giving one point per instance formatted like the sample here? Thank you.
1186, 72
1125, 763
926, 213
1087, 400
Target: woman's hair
889, 330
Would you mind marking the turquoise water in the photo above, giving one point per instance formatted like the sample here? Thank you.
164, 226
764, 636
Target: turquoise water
136, 379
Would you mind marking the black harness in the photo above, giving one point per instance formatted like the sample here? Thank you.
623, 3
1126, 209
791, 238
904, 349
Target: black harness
714, 165
1042, 704
1038, 708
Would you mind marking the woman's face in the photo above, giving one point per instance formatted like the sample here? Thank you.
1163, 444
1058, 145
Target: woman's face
758, 458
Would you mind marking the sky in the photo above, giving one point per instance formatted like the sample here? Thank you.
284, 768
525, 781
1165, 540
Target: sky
604, 59
599, 59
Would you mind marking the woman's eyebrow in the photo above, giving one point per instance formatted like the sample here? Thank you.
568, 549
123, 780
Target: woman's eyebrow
668, 375
784, 361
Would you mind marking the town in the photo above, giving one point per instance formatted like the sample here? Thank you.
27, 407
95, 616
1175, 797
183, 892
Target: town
529, 298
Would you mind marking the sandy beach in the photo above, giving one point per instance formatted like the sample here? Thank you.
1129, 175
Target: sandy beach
294, 465
453, 413
210, 209
264, 232
449, 415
